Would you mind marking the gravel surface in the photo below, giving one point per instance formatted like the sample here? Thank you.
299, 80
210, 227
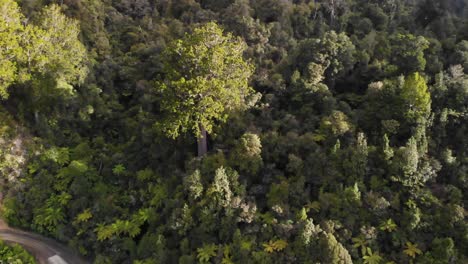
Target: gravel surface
46, 250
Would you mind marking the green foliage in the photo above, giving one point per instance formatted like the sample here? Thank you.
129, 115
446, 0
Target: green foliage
408, 52
49, 48
220, 189
182, 219
145, 175
206, 253
227, 258
309, 232
193, 185
52, 214
302, 214
11, 50
278, 193
65, 55
158, 194
15, 254
247, 153
333, 55
360, 242
411, 215
84, 216
442, 250
272, 246
412, 250
336, 124
333, 251
416, 96
104, 232
130, 228
388, 226
371, 257
13, 148
387, 149
205, 78
359, 122
61, 156
352, 195
406, 164
119, 169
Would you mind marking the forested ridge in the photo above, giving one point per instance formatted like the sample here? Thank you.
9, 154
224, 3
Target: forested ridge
237, 131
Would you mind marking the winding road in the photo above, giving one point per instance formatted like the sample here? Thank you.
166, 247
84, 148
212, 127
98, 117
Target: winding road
45, 250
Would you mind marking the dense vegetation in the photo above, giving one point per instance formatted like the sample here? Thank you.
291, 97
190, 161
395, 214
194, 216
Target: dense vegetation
14, 254
328, 131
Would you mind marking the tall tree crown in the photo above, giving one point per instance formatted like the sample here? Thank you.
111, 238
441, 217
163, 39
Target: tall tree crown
206, 77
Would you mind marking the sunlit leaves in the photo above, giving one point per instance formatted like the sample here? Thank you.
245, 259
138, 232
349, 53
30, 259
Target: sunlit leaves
10, 48
205, 78
387, 150
194, 185
130, 228
388, 226
412, 250
227, 256
315, 205
66, 54
309, 232
274, 245
407, 160
53, 216
205, 253
104, 232
59, 155
141, 216
14, 254
52, 213
371, 257
220, 190
84, 216
335, 124
247, 153
416, 95
126, 227
182, 220
302, 214
119, 169
49, 49
334, 251
118, 227
360, 242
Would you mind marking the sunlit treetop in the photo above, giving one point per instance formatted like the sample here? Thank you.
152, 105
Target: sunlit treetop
206, 77
49, 48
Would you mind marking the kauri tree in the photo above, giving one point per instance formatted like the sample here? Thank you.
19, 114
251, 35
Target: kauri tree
205, 78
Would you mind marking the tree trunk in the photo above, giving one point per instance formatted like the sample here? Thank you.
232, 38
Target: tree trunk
202, 142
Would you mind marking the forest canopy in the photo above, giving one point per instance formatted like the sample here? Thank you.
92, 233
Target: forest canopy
328, 131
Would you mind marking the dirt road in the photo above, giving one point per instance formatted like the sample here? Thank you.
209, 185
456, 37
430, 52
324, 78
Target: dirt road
46, 251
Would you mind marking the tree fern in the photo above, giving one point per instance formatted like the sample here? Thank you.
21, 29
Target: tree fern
206, 252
